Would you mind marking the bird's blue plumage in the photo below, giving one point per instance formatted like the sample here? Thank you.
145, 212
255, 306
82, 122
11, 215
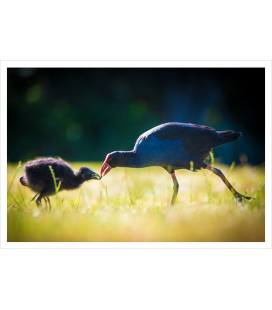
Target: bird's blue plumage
155, 152
194, 138
173, 145
178, 144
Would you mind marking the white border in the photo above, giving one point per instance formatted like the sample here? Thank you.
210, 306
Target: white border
136, 245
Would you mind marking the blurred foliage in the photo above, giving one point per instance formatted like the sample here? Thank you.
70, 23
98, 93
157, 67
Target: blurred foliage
82, 114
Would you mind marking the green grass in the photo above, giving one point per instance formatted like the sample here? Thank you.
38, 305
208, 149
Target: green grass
134, 205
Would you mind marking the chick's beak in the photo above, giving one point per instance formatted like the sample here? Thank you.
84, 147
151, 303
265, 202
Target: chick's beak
105, 169
96, 176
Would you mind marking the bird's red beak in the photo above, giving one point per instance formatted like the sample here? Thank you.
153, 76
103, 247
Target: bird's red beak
105, 168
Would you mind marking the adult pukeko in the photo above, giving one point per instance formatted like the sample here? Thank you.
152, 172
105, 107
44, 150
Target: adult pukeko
38, 177
173, 146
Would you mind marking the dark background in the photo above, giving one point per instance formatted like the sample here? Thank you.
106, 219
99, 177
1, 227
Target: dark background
81, 114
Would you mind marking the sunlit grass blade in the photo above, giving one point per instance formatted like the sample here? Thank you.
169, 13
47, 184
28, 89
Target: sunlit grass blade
151, 196
230, 169
132, 201
58, 186
106, 189
78, 200
211, 175
19, 208
191, 183
23, 199
15, 173
100, 200
73, 206
208, 188
54, 179
212, 159
228, 175
254, 196
55, 185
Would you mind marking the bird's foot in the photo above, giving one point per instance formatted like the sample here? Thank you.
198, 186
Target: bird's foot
240, 200
39, 205
240, 196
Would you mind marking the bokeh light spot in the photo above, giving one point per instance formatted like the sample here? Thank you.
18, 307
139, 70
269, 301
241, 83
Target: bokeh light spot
26, 72
138, 108
60, 109
33, 94
212, 117
243, 159
73, 132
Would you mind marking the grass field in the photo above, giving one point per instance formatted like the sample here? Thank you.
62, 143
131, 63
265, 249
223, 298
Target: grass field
134, 205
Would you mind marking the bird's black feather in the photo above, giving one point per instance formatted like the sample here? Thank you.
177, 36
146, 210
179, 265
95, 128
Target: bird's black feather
38, 177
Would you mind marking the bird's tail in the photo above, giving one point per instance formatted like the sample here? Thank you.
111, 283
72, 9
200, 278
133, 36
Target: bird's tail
23, 181
230, 134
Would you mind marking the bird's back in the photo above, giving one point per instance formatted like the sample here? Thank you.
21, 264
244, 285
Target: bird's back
193, 138
37, 173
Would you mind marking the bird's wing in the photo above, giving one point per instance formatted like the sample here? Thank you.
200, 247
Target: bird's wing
194, 138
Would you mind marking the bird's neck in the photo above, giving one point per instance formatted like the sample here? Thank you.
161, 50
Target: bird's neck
72, 183
130, 159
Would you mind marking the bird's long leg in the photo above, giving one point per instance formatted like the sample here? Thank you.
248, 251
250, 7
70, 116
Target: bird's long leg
49, 204
230, 187
175, 188
41, 196
34, 196
45, 203
47, 200
39, 202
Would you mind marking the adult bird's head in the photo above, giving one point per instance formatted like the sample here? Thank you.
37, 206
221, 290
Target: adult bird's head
112, 160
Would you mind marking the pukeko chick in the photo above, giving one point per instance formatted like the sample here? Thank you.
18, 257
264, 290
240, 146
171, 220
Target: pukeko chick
173, 146
38, 177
